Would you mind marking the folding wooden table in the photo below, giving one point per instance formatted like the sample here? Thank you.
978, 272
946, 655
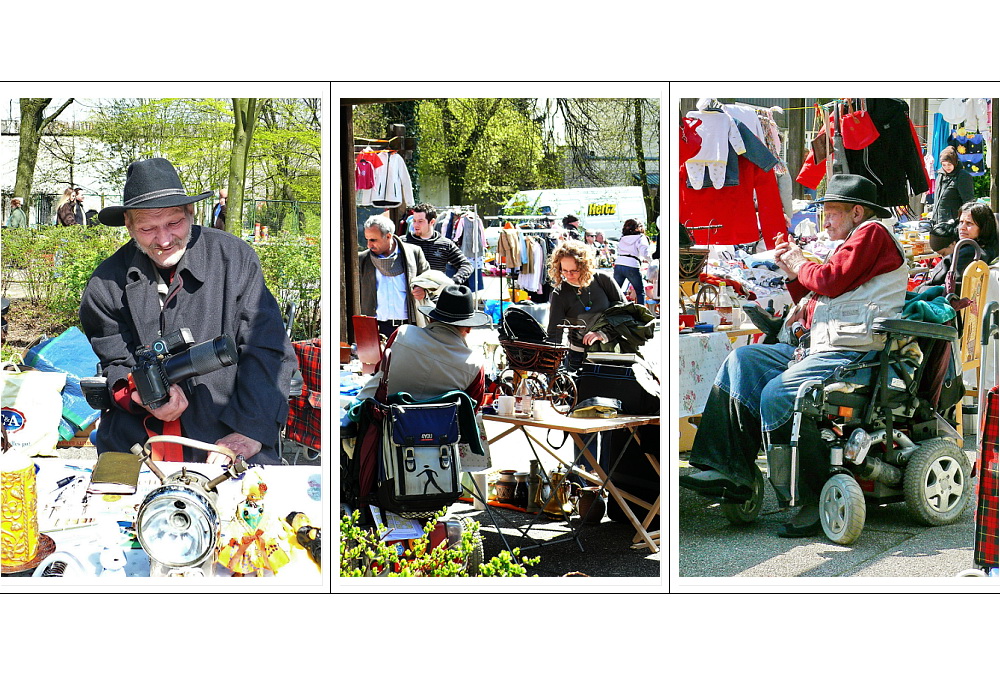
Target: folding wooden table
576, 428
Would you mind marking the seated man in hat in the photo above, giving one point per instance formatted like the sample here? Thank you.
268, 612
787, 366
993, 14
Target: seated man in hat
173, 275
435, 359
837, 301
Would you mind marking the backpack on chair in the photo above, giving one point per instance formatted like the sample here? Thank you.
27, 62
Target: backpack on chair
420, 471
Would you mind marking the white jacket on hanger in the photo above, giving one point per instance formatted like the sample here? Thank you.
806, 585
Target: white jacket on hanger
392, 184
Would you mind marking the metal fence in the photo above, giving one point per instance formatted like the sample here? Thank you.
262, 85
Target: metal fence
294, 217
279, 215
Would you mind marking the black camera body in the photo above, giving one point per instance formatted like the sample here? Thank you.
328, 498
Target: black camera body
171, 359
174, 358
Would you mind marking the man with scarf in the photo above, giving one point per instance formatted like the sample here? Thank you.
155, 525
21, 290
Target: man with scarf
386, 269
837, 301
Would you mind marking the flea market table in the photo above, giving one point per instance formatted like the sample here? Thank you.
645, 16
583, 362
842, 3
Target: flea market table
576, 428
85, 525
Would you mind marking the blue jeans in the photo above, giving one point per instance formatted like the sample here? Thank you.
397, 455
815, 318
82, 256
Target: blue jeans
634, 276
754, 393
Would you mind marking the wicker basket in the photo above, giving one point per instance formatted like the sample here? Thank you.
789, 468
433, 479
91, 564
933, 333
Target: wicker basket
692, 262
539, 358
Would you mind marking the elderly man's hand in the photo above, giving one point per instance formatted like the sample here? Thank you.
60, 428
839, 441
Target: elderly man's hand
169, 411
419, 294
239, 444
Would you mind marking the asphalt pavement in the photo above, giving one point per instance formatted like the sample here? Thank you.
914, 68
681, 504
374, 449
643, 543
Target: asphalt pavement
892, 544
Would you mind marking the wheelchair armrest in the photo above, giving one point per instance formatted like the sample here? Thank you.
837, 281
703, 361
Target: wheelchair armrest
920, 329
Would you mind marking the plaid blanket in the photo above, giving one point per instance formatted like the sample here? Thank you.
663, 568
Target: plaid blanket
304, 410
987, 527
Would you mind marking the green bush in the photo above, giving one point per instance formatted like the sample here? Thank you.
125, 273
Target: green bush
364, 554
292, 267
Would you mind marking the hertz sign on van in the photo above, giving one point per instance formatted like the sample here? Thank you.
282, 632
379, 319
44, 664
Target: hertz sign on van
601, 209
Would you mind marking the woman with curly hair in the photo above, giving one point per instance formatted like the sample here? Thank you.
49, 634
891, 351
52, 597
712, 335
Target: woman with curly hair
579, 295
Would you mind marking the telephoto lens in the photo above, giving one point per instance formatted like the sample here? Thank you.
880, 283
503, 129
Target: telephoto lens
201, 359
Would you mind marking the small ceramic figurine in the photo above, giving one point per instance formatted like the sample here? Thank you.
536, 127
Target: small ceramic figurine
249, 543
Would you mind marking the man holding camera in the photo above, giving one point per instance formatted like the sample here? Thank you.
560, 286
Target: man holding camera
174, 275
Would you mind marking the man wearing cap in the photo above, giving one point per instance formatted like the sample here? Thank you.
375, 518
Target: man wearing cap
837, 301
172, 275
436, 359
385, 271
16, 217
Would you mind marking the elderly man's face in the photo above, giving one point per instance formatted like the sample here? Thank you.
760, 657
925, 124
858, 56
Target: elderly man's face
378, 243
838, 217
162, 234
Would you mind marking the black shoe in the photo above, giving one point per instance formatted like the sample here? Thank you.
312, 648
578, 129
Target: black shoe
769, 325
805, 523
712, 483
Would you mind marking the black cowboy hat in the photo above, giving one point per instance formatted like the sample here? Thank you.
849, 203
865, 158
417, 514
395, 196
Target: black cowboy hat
150, 184
853, 189
456, 306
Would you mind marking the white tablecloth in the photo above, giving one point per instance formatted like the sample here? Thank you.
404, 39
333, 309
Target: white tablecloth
701, 356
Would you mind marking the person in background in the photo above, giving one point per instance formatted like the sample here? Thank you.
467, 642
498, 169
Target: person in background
954, 187
571, 227
978, 223
633, 250
219, 210
942, 239
65, 208
17, 218
439, 251
579, 294
385, 271
425, 290
79, 213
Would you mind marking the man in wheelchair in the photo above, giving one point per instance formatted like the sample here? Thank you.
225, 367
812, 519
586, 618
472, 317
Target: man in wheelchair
752, 405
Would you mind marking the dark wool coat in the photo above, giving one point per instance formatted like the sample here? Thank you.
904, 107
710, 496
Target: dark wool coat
218, 289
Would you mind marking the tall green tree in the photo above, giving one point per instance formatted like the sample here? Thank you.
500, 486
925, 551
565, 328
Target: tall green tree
33, 123
488, 148
244, 120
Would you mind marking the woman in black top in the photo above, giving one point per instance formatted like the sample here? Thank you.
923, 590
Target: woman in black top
579, 295
953, 187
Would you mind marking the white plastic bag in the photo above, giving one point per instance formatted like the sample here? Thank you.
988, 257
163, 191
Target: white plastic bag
32, 407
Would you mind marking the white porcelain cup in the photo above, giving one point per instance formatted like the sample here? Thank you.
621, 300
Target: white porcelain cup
505, 405
542, 409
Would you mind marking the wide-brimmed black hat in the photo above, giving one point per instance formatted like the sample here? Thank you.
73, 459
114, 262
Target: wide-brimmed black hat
456, 306
150, 184
852, 189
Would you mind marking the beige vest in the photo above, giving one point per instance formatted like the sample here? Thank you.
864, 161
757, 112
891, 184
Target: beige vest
845, 322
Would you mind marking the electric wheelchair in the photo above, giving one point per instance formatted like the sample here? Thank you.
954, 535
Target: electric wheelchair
889, 426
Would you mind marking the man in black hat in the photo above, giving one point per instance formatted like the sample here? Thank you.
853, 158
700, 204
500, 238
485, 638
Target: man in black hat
172, 275
436, 359
837, 302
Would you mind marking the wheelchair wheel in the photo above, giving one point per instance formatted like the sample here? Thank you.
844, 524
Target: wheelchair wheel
937, 483
562, 392
842, 509
741, 513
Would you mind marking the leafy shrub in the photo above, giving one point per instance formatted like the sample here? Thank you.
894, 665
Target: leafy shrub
292, 267
364, 554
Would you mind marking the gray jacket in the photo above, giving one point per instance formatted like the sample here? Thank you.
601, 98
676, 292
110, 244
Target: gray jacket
414, 265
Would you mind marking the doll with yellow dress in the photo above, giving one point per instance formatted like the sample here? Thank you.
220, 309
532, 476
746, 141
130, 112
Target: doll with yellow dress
252, 543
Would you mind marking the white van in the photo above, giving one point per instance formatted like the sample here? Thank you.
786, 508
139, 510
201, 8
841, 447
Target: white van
601, 209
